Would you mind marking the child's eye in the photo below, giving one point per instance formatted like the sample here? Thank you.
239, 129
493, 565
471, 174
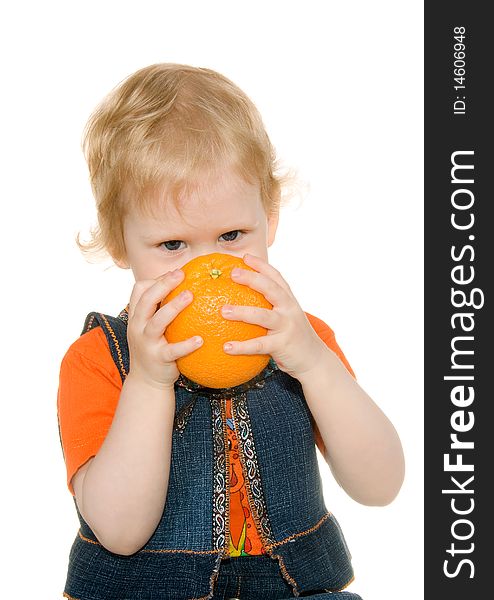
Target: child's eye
171, 245
232, 236
174, 245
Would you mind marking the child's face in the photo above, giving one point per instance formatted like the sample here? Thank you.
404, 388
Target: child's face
224, 214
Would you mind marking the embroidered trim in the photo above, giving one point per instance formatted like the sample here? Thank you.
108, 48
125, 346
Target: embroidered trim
248, 458
123, 315
90, 323
182, 418
226, 461
116, 344
220, 476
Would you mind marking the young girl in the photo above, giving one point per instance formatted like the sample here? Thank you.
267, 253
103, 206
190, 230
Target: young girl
185, 492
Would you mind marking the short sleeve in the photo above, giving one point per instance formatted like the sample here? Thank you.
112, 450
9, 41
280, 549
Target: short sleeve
327, 335
88, 393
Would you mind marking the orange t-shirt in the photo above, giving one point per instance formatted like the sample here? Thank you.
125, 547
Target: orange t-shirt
88, 395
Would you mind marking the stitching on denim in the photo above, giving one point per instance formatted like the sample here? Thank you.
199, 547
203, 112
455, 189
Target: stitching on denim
286, 575
90, 323
214, 577
89, 540
116, 344
65, 595
301, 533
150, 550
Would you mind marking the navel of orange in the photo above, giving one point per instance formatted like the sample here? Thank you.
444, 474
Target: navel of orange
208, 277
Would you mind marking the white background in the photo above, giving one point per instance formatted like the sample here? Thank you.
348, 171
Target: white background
339, 86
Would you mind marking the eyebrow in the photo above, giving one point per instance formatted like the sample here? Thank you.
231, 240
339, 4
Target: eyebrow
173, 236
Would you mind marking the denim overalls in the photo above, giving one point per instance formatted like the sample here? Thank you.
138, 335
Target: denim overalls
183, 558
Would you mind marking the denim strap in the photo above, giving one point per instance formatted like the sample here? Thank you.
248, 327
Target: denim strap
115, 330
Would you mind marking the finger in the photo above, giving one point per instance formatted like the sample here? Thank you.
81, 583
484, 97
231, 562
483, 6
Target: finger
157, 324
262, 266
265, 317
139, 288
270, 289
179, 349
259, 345
147, 297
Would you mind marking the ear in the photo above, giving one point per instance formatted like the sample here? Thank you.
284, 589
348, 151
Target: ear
273, 220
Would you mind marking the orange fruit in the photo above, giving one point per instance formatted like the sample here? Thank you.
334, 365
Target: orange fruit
208, 277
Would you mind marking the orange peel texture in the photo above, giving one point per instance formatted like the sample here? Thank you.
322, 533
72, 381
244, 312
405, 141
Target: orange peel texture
208, 277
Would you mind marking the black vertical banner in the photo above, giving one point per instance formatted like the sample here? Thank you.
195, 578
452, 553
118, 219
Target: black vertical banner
459, 250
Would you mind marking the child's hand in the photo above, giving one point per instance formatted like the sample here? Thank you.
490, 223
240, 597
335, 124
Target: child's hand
290, 339
152, 358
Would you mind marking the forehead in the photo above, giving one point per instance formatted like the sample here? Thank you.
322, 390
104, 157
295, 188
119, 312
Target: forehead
220, 201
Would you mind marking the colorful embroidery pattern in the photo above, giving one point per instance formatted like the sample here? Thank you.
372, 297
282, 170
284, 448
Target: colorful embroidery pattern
220, 473
244, 538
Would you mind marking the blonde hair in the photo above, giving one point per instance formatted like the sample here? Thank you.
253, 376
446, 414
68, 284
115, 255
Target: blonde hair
161, 128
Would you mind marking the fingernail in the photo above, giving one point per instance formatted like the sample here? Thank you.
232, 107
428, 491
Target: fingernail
176, 273
227, 346
197, 340
227, 310
236, 272
185, 295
